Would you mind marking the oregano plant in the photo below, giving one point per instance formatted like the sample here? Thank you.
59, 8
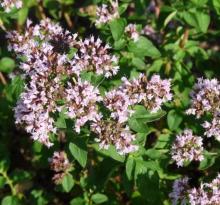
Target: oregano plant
109, 102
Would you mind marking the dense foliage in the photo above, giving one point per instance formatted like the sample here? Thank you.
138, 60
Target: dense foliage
109, 102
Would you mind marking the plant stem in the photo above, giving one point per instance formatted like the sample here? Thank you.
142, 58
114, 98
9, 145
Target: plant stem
2, 25
41, 11
9, 182
2, 78
185, 38
68, 19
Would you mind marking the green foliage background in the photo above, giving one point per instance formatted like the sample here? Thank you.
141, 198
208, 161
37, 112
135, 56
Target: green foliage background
189, 49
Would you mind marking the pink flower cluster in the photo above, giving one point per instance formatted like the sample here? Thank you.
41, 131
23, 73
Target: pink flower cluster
151, 33
206, 98
131, 30
151, 93
45, 48
107, 13
186, 148
205, 194
93, 56
8, 5
51, 76
81, 99
133, 33
59, 163
178, 194
43, 69
114, 133
213, 127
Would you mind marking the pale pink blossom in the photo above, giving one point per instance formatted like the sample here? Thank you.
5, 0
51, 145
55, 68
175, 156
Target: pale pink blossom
131, 30
205, 97
213, 128
8, 5
94, 56
106, 13
206, 194
179, 191
81, 103
186, 148
118, 102
116, 134
60, 164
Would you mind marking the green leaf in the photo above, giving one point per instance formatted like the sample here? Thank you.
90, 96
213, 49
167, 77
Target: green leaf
130, 166
119, 44
67, 182
99, 198
142, 114
37, 147
148, 186
139, 63
137, 125
20, 175
156, 66
61, 121
22, 15
169, 18
2, 182
143, 47
14, 90
174, 119
143, 166
117, 27
162, 141
10, 200
198, 20
216, 5
122, 8
77, 201
4, 165
155, 154
79, 151
7, 65
110, 152
199, 3
208, 161
39, 197
141, 137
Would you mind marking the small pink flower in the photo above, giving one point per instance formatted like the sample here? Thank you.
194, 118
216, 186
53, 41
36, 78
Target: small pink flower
107, 13
187, 147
